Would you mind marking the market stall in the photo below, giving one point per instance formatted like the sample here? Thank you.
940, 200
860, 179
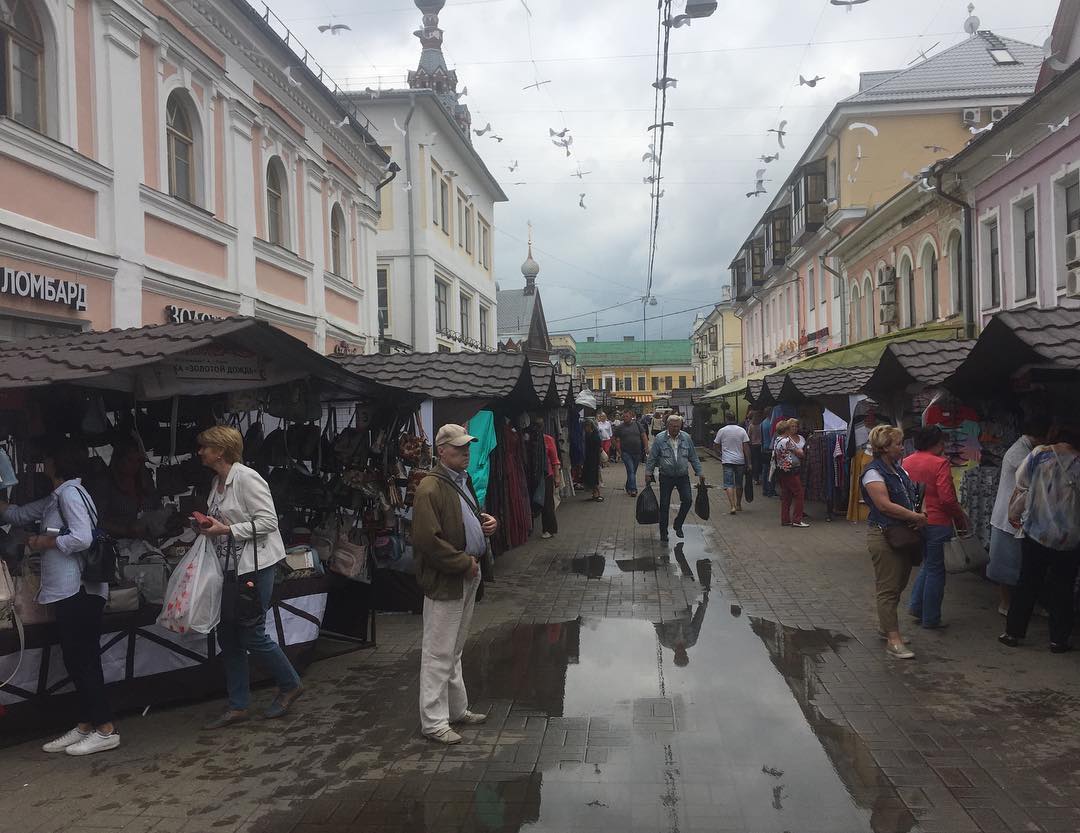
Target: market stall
137, 399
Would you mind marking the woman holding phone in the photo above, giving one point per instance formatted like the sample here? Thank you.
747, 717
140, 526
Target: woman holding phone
241, 513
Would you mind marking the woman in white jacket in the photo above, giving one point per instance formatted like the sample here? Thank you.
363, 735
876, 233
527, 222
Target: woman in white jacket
240, 504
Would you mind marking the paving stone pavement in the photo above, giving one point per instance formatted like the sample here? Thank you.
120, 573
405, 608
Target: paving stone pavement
732, 681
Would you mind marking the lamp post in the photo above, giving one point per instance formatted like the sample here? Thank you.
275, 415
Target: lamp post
646, 302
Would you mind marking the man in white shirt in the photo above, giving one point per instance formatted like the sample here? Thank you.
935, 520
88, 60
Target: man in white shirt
734, 445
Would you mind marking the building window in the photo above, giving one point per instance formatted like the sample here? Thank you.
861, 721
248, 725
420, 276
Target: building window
628, 383
338, 239
656, 383
435, 179
1072, 217
466, 323
444, 206
930, 276
682, 381
994, 248
856, 314
276, 194
1030, 259
180, 148
810, 288
868, 305
484, 241
907, 284
468, 230
618, 384
442, 314
484, 327
667, 383
460, 221
22, 51
382, 276
641, 383
956, 272
443, 349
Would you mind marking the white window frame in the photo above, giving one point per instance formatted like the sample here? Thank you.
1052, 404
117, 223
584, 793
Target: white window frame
868, 304
1069, 175
956, 270
385, 269
1018, 205
285, 230
444, 325
986, 303
928, 316
341, 254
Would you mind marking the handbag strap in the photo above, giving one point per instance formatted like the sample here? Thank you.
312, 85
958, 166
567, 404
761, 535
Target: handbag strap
469, 500
89, 509
254, 545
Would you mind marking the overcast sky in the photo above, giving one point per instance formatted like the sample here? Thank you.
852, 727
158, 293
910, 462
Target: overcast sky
737, 76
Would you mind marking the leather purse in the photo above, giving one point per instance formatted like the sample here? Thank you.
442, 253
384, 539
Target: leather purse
241, 605
412, 447
123, 598
415, 476
350, 556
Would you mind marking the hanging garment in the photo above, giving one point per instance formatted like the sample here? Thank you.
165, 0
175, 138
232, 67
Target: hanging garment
481, 426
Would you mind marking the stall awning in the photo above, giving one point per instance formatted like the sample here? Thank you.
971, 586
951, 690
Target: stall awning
1045, 340
916, 363
162, 360
564, 386
753, 390
543, 379
814, 384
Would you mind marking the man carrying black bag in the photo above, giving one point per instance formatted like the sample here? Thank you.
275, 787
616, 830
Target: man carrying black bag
673, 451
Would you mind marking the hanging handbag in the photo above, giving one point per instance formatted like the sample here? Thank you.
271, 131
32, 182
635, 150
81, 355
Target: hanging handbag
412, 447
9, 617
241, 605
295, 401
350, 556
415, 476
253, 440
123, 598
171, 479
99, 560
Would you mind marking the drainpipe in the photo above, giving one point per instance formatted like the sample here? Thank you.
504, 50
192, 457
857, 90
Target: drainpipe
412, 223
394, 170
969, 255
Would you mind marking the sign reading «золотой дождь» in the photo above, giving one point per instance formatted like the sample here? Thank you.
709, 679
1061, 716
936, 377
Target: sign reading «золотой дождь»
25, 284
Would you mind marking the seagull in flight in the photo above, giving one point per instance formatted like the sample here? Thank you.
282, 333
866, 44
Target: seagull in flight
665, 124
975, 131
935, 148
780, 132
483, 130
756, 192
1054, 128
535, 86
560, 133
292, 80
810, 82
581, 202
1007, 155
678, 21
334, 28
848, 3
399, 128
771, 157
861, 125
580, 174
345, 122
513, 166
649, 157
650, 180
498, 139
666, 83
407, 186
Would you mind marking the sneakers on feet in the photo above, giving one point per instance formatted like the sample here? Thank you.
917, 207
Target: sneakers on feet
469, 718
1004, 611
65, 740
94, 742
546, 535
1008, 641
445, 736
899, 651
802, 525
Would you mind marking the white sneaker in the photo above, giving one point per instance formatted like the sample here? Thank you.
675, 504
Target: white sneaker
546, 535
470, 718
94, 742
445, 736
899, 651
64, 741
802, 525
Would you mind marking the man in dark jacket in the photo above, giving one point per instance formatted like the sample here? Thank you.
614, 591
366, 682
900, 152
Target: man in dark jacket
449, 533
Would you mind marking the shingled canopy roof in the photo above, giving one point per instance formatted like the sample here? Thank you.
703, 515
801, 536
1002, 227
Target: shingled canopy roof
1045, 340
814, 384
488, 376
922, 363
149, 360
753, 390
543, 377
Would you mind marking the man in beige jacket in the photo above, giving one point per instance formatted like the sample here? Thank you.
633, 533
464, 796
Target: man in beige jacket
449, 533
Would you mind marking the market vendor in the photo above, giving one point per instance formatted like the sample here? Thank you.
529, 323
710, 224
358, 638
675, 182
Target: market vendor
125, 493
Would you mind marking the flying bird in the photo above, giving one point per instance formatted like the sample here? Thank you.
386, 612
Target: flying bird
483, 130
666, 83
861, 125
810, 82
561, 133
334, 28
399, 128
659, 196
519, 183
407, 186
649, 157
935, 149
665, 124
922, 53
581, 202
1054, 128
498, 139
371, 92
451, 174
289, 76
1007, 155
780, 132
771, 157
1050, 58
580, 174
678, 21
464, 92
651, 180
345, 122
535, 86
848, 3
975, 131
513, 166
756, 192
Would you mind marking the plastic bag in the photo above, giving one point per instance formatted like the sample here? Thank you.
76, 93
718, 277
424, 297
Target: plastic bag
193, 597
701, 502
648, 508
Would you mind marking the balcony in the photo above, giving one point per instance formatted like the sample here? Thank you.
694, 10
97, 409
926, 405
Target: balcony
738, 279
777, 239
810, 203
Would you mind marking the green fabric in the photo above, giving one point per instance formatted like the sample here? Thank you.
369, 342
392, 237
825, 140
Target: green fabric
673, 352
481, 426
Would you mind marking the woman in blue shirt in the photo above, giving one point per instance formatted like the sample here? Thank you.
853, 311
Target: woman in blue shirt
78, 604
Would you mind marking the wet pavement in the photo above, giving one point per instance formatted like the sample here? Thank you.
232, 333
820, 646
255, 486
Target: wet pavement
732, 681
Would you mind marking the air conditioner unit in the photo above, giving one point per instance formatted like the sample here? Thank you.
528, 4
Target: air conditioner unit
998, 113
888, 277
972, 115
1072, 284
886, 315
1072, 249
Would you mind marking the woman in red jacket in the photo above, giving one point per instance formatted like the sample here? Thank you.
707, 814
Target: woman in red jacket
929, 467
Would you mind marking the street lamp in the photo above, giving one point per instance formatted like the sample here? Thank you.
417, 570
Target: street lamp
646, 301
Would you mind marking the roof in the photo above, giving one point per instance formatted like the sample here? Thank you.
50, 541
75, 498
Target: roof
445, 375
667, 352
966, 70
1017, 339
924, 363
513, 313
563, 386
811, 384
543, 379
111, 359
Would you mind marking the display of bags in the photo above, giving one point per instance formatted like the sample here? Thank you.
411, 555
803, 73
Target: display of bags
415, 476
296, 401
413, 449
151, 576
29, 610
123, 598
701, 502
350, 556
648, 508
965, 553
193, 598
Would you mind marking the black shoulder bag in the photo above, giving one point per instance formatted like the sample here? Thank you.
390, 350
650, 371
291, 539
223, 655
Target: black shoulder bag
99, 561
487, 560
240, 601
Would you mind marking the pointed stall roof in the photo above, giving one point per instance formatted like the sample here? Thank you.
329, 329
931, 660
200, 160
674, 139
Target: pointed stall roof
923, 363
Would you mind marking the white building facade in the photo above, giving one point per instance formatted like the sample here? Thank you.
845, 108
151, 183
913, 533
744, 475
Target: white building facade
166, 161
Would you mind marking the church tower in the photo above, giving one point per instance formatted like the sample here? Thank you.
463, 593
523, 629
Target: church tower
432, 73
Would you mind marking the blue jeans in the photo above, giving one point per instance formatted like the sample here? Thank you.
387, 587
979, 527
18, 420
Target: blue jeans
238, 641
686, 498
929, 587
631, 461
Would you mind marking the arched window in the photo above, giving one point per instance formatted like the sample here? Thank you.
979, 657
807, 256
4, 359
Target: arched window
956, 272
930, 280
868, 305
22, 66
907, 288
180, 140
277, 221
856, 314
338, 240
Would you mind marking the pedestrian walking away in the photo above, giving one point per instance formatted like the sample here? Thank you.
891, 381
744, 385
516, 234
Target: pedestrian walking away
67, 517
242, 516
788, 454
929, 467
891, 496
753, 430
1046, 509
449, 541
631, 441
674, 454
734, 445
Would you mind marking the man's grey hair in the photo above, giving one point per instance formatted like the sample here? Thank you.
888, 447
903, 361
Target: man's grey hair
675, 418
